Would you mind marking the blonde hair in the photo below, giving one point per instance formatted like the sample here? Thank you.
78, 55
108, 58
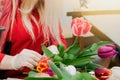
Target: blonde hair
51, 15
49, 12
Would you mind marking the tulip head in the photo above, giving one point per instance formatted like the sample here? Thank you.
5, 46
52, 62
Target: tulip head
80, 26
43, 66
107, 51
102, 73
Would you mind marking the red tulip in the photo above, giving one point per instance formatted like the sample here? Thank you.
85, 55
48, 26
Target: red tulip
80, 26
102, 73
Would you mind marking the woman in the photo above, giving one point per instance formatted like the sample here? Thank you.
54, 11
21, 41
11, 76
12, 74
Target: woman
28, 23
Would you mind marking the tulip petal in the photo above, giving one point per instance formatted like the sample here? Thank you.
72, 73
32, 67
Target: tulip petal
80, 26
102, 73
107, 54
104, 49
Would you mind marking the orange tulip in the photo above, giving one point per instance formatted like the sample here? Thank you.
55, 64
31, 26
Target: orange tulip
43, 64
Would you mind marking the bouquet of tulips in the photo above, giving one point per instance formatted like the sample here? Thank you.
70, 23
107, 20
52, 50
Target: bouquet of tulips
82, 60
54, 64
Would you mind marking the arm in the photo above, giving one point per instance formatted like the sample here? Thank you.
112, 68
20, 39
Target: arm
26, 57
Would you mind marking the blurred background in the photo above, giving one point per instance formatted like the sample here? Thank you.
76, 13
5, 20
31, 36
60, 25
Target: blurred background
108, 24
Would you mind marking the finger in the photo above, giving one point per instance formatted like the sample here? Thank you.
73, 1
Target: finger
32, 54
36, 54
27, 52
35, 58
33, 62
29, 65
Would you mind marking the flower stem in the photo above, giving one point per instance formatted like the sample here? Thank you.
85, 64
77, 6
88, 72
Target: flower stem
33, 69
76, 40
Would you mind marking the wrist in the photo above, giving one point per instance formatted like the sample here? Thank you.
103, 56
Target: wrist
6, 63
13, 62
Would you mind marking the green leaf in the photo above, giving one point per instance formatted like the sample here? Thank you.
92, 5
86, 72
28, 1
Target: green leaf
91, 66
68, 56
92, 50
104, 43
65, 73
100, 44
79, 61
56, 70
82, 76
32, 74
71, 56
87, 76
57, 58
77, 77
74, 49
65, 56
60, 49
47, 52
88, 67
40, 78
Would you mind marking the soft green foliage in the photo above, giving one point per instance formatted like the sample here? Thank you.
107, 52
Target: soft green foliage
32, 74
61, 73
82, 60
40, 78
73, 56
65, 75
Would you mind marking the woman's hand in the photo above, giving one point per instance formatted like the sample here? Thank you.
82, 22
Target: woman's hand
26, 57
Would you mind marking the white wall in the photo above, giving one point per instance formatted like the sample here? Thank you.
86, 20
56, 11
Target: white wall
103, 4
68, 5
109, 24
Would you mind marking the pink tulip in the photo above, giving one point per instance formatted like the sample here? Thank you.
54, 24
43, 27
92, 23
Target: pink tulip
107, 51
80, 26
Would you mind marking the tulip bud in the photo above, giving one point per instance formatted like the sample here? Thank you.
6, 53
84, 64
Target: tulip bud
107, 51
102, 73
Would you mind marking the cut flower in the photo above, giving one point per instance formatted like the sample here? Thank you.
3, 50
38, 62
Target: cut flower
73, 55
80, 26
43, 66
81, 60
102, 73
107, 51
